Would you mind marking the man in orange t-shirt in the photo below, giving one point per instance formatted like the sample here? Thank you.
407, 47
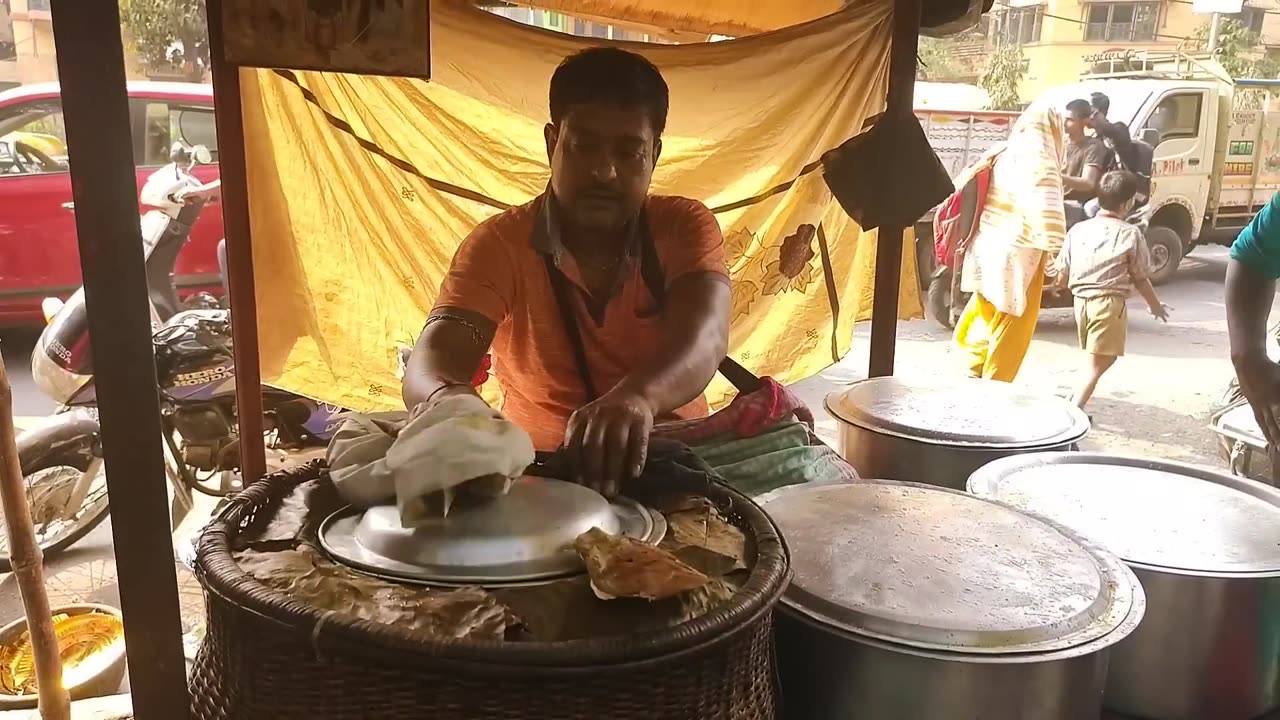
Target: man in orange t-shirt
606, 308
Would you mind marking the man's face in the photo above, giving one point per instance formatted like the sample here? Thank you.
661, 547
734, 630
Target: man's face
602, 159
1074, 124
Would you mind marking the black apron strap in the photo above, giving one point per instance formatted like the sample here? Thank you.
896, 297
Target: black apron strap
651, 272
568, 318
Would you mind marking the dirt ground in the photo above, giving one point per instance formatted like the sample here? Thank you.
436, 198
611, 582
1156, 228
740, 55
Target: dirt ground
1154, 402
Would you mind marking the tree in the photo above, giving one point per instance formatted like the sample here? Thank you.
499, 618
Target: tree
1237, 50
937, 61
169, 35
1003, 76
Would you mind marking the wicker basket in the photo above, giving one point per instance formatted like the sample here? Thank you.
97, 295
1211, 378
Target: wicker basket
267, 656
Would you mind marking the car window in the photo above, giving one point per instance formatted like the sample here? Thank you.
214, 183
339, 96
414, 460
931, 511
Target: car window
33, 139
155, 135
167, 123
195, 126
1177, 116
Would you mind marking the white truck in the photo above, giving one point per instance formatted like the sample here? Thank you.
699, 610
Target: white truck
1216, 147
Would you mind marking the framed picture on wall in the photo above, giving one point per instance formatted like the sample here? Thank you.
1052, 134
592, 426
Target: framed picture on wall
365, 37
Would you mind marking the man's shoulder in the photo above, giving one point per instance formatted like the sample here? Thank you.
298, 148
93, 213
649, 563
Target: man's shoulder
509, 226
676, 206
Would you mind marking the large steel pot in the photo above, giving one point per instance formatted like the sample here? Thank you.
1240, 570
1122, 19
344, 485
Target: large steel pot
914, 601
941, 432
1206, 547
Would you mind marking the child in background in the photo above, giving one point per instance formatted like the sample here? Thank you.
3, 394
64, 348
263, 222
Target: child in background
1102, 260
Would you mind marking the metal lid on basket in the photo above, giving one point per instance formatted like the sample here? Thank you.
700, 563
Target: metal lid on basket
938, 569
524, 536
1154, 513
982, 413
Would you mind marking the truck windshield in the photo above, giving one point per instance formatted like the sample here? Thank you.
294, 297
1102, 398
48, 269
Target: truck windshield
1126, 97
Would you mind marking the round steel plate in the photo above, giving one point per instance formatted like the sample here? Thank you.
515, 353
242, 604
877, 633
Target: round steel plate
1150, 512
979, 413
938, 569
524, 536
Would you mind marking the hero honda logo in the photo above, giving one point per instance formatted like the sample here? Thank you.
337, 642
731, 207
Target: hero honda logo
200, 377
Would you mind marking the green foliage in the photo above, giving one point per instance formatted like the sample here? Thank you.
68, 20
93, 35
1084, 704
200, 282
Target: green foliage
169, 35
1003, 76
1238, 50
936, 61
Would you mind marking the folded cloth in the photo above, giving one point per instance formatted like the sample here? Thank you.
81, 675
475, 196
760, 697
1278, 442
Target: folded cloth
786, 454
761, 442
420, 464
748, 415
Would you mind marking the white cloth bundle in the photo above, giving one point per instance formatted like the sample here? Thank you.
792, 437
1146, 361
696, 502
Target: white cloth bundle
421, 464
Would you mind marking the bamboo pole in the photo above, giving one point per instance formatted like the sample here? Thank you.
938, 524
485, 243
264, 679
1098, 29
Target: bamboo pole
28, 566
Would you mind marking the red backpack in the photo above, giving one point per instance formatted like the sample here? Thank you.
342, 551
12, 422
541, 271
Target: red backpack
957, 217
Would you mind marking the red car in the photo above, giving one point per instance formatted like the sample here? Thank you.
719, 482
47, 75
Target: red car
39, 255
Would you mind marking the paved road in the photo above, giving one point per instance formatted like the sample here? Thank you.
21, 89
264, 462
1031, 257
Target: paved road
1154, 402
16, 346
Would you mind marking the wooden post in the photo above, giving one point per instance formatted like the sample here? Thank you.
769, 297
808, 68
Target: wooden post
104, 185
28, 566
240, 278
888, 273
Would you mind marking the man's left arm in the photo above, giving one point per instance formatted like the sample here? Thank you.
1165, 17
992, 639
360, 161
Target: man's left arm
695, 339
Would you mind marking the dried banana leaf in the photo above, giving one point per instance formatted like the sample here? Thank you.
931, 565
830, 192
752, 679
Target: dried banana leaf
706, 528
674, 502
626, 567
312, 578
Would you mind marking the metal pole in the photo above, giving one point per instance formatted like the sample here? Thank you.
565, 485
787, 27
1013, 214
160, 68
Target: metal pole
888, 273
240, 279
1214, 24
95, 106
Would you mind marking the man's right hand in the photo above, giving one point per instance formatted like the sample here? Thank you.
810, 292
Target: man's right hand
1260, 380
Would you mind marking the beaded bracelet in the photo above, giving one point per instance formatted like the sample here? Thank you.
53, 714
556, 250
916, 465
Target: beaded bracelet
475, 331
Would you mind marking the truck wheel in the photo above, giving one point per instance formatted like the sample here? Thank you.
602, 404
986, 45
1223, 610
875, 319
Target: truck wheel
1166, 252
938, 300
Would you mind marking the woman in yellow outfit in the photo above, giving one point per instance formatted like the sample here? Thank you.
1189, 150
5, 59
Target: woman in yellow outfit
1020, 232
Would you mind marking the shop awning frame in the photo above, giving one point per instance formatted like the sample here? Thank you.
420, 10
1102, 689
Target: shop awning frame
95, 100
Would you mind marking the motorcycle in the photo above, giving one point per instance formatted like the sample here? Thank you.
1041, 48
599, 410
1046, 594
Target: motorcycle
944, 300
62, 459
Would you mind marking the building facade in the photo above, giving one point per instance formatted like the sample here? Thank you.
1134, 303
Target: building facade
26, 43
1061, 39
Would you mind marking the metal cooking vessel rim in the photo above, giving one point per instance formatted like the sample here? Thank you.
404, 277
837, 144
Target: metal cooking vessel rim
981, 482
1126, 603
337, 536
1122, 631
1079, 428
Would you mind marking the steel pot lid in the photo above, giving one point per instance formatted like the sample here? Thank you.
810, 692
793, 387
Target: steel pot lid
525, 536
1154, 513
938, 569
981, 413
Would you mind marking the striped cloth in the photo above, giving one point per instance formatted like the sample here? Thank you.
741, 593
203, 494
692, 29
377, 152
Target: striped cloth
1022, 224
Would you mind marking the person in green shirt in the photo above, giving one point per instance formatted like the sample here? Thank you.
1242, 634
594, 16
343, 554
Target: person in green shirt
1251, 287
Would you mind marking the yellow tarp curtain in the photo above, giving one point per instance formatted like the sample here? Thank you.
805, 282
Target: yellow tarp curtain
734, 18
361, 188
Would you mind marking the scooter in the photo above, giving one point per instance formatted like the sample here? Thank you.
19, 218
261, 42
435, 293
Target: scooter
62, 459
